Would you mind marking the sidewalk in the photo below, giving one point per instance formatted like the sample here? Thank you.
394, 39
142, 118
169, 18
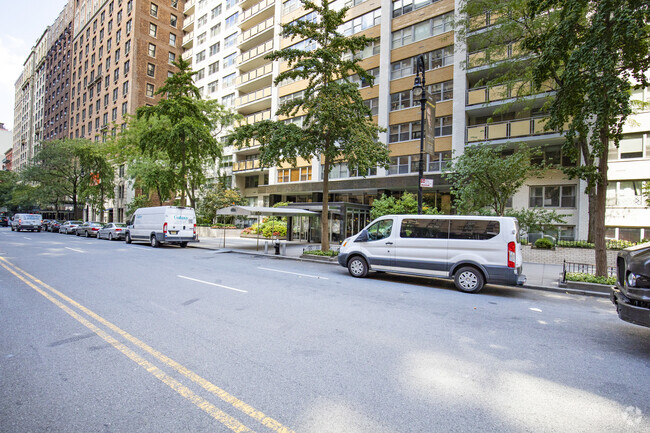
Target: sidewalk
539, 276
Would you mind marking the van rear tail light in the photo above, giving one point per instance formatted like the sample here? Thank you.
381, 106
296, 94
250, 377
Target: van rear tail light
512, 254
165, 228
194, 228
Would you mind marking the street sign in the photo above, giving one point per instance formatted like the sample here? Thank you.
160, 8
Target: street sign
430, 121
426, 183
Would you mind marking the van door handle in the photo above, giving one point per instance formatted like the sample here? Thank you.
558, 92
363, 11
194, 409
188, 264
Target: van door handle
389, 243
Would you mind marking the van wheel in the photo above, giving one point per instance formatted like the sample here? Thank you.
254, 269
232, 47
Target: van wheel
127, 239
468, 279
154, 241
183, 244
358, 267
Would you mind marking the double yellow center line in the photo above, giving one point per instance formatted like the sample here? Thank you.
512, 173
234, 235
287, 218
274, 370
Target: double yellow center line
69, 305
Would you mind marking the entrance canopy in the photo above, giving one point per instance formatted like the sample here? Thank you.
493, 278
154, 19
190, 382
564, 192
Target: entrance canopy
265, 211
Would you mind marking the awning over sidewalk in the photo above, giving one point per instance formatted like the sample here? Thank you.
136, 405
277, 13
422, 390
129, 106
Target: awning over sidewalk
263, 211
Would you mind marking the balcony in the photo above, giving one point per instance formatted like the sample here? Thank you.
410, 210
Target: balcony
255, 101
188, 40
254, 35
189, 7
187, 55
256, 117
255, 74
479, 99
257, 12
483, 59
533, 126
188, 24
247, 165
256, 54
480, 22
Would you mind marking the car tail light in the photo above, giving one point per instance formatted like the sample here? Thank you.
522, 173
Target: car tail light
94, 229
195, 229
512, 254
165, 228
118, 230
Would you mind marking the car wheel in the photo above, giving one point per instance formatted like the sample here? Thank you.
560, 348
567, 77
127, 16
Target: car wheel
358, 267
154, 241
110, 236
468, 279
183, 244
86, 233
127, 238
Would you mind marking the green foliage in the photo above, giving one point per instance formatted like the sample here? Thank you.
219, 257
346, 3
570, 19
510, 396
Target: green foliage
328, 253
337, 124
589, 278
482, 177
405, 205
274, 229
544, 243
610, 245
137, 202
215, 198
534, 220
179, 132
8, 183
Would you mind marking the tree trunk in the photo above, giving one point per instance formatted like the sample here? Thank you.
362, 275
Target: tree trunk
601, 203
592, 213
325, 232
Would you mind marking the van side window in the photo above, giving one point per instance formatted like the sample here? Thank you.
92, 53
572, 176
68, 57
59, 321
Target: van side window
479, 230
380, 230
424, 228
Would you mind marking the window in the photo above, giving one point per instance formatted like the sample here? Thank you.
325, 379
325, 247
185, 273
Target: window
151, 70
202, 21
443, 126
228, 100
361, 23
171, 58
626, 194
380, 230
230, 41
127, 67
151, 50
426, 29
399, 164
212, 86
153, 30
172, 39
473, 229
404, 132
631, 146
216, 12
373, 104
200, 56
229, 60
114, 114
214, 49
432, 60
173, 20
290, 6
117, 55
553, 196
251, 181
213, 68
229, 80
363, 82
115, 94
149, 90
125, 107
441, 91
201, 38
215, 30
127, 47
230, 3
175, 4
200, 74
153, 10
425, 228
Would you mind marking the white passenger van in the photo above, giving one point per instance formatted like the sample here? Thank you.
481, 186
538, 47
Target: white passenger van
473, 250
162, 224
27, 221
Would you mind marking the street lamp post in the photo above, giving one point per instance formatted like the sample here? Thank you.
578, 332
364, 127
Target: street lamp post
419, 91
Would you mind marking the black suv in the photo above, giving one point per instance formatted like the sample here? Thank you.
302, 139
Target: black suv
632, 292
4, 220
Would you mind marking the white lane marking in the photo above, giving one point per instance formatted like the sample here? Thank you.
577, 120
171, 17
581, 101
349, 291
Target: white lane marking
75, 250
292, 273
29, 239
537, 310
212, 284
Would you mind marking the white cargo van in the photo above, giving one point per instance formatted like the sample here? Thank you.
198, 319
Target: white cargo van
162, 224
473, 250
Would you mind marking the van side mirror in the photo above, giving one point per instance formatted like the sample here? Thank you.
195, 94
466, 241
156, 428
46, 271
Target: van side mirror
363, 236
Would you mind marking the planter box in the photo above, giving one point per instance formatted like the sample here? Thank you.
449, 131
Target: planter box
560, 254
590, 287
320, 258
262, 238
208, 232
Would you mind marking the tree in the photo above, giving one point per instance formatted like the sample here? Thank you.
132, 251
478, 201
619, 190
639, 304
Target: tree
593, 50
535, 219
8, 182
63, 171
182, 127
216, 198
99, 173
483, 177
337, 125
407, 204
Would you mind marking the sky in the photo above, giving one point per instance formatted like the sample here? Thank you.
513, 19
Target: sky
22, 22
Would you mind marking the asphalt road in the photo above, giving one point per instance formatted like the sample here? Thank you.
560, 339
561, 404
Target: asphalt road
100, 336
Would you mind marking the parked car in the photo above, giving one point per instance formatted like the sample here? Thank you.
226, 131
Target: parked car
4, 220
44, 224
27, 221
53, 226
632, 292
162, 224
112, 231
88, 229
69, 227
472, 250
